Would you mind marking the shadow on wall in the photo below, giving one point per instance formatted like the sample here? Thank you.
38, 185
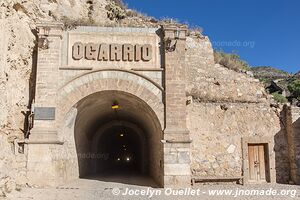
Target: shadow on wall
287, 147
28, 121
296, 127
281, 150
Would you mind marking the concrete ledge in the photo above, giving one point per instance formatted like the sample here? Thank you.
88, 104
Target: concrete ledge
44, 142
96, 29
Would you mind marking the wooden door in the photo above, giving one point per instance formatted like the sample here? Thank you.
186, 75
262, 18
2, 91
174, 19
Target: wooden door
257, 162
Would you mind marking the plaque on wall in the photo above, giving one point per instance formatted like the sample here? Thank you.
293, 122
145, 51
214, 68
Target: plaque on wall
44, 113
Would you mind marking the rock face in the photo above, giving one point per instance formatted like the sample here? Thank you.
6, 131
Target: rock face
17, 44
269, 72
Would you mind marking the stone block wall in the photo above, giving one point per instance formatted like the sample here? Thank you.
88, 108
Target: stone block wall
224, 108
217, 131
211, 82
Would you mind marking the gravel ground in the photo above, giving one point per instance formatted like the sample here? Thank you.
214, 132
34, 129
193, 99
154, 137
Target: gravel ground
102, 189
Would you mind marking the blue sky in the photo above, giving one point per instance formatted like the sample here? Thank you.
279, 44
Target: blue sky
262, 32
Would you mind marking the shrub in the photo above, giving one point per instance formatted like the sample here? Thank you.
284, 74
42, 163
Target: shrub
120, 3
196, 29
279, 98
70, 24
230, 61
294, 88
115, 12
169, 20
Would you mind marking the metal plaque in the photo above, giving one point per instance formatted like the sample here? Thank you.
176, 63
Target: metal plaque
44, 113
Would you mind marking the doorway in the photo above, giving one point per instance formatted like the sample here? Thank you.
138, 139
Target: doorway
258, 163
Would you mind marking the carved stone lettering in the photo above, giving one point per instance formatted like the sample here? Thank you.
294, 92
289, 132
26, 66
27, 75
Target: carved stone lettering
147, 52
103, 52
138, 52
78, 51
115, 52
112, 52
128, 52
91, 50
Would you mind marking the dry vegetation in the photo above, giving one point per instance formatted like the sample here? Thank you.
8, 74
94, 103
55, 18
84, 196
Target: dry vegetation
231, 61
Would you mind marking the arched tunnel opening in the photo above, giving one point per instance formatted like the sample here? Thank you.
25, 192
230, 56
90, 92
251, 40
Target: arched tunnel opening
118, 138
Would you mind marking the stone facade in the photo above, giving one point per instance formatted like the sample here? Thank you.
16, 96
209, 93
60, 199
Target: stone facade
160, 83
205, 134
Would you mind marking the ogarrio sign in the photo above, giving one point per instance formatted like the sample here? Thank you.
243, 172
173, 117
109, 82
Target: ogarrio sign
112, 52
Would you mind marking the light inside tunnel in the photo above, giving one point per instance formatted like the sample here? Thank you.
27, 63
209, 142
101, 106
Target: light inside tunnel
125, 140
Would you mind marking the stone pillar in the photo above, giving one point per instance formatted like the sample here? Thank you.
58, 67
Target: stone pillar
177, 171
48, 63
43, 140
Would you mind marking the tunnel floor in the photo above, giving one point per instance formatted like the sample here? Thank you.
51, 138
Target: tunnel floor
127, 177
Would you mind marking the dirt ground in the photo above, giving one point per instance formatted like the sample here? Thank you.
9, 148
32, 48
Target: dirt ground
132, 187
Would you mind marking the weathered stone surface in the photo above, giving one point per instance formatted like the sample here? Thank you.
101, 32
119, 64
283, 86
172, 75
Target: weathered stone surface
210, 82
217, 134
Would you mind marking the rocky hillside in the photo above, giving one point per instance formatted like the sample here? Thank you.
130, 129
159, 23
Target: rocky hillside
266, 72
282, 84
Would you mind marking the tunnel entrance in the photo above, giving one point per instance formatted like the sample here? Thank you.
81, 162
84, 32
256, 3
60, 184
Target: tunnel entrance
117, 134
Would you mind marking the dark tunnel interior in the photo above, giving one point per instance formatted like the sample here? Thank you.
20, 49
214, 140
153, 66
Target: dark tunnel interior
117, 133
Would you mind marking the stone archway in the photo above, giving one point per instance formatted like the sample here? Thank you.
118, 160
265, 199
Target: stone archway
94, 129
